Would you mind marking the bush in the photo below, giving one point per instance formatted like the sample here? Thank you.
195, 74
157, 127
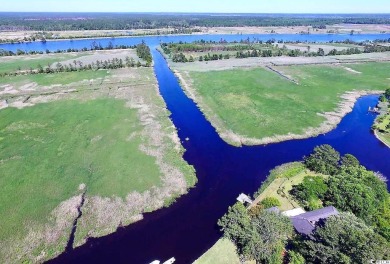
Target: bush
295, 258
310, 191
269, 202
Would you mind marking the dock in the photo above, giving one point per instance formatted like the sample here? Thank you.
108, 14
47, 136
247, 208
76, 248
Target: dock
243, 198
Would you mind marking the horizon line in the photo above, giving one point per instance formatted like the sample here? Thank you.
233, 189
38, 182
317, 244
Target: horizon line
185, 12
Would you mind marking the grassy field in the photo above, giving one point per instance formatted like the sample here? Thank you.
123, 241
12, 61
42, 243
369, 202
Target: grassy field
112, 143
48, 150
257, 103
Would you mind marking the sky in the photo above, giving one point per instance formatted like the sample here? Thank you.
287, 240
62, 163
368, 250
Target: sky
201, 6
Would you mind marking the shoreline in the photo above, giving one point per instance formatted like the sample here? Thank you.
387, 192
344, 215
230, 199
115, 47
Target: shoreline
379, 138
108, 37
332, 119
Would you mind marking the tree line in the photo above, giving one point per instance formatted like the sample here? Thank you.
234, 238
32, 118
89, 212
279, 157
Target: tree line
270, 48
93, 46
43, 36
77, 65
105, 21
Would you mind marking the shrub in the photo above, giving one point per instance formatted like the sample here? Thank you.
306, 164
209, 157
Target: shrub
269, 202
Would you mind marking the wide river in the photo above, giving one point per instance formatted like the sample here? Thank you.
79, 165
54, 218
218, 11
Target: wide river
188, 228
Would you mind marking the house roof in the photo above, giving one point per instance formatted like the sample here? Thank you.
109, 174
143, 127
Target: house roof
302, 225
322, 213
306, 223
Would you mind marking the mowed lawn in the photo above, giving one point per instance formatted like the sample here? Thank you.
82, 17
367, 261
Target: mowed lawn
222, 252
258, 103
48, 150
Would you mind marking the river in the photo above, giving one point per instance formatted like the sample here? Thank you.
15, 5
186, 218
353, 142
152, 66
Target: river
188, 228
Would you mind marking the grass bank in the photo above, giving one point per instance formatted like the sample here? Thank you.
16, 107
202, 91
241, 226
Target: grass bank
381, 126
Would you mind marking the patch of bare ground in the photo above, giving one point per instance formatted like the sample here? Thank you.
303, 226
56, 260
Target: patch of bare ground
332, 119
102, 55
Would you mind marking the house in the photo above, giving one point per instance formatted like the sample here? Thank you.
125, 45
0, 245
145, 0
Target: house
307, 222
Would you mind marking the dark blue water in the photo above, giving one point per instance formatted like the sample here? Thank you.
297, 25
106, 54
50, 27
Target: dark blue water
188, 228
155, 40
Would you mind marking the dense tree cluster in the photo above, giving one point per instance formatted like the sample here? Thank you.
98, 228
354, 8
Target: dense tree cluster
324, 159
350, 187
143, 51
261, 236
343, 239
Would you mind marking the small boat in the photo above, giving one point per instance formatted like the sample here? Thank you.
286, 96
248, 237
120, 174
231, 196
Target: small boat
170, 261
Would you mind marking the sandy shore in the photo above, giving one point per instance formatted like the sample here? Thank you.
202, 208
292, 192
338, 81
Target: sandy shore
332, 119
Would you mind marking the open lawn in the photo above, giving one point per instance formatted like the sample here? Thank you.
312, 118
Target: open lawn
109, 141
222, 252
280, 182
258, 105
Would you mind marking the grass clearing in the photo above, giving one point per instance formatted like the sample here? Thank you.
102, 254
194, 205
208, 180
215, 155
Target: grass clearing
222, 252
257, 103
279, 183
